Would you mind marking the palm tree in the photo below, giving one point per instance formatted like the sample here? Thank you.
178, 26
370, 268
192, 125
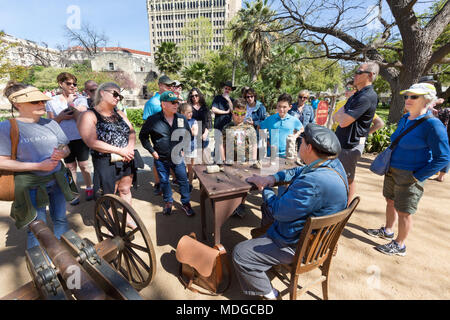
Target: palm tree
197, 75
249, 32
167, 58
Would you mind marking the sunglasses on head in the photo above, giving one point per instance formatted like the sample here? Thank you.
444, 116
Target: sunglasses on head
361, 72
116, 94
38, 102
243, 113
411, 97
71, 83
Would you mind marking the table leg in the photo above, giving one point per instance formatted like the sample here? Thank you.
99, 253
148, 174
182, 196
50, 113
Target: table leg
203, 197
223, 209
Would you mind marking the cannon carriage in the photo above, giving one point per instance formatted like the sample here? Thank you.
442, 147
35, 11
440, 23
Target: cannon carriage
122, 263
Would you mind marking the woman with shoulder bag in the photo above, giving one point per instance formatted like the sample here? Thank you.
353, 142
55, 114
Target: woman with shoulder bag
111, 138
418, 155
40, 177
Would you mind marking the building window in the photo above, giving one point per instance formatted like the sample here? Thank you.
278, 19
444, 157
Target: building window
111, 66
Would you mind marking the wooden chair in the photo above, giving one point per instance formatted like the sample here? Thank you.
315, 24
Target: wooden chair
315, 249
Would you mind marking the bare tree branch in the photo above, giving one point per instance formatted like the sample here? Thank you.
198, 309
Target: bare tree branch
439, 56
87, 37
438, 23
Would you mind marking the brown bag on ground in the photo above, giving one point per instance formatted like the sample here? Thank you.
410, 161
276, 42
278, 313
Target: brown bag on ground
7, 177
202, 265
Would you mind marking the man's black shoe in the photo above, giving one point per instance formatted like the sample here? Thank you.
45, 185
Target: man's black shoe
167, 208
188, 209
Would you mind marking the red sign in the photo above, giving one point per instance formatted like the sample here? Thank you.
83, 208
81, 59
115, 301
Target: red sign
322, 113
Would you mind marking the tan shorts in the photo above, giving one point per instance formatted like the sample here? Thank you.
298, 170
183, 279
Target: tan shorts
401, 187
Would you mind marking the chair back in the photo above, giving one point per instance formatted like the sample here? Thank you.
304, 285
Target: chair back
319, 238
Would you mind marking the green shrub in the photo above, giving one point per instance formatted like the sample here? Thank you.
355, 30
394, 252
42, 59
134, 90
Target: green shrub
380, 140
135, 117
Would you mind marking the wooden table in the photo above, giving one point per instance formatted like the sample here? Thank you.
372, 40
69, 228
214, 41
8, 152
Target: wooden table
228, 189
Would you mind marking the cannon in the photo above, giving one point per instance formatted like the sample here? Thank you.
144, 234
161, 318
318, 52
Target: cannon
122, 263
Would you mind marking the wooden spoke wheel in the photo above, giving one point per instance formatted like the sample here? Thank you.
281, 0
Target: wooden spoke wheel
136, 259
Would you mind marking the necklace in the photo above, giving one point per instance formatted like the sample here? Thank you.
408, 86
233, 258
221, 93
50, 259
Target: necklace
111, 118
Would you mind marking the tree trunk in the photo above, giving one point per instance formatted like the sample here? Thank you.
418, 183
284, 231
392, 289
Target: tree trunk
397, 104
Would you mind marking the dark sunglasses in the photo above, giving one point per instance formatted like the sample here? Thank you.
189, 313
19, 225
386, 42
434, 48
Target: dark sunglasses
116, 94
411, 97
92, 90
250, 97
174, 102
303, 98
361, 72
38, 102
243, 113
71, 83
194, 95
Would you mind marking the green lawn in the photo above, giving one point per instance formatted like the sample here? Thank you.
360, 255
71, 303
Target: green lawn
383, 114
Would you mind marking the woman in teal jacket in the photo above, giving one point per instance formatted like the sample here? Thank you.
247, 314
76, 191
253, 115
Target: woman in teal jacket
256, 112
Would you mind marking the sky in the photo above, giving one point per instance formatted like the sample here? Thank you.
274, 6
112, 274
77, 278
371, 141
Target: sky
124, 22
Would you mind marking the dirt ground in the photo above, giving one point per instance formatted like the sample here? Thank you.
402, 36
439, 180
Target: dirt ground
358, 271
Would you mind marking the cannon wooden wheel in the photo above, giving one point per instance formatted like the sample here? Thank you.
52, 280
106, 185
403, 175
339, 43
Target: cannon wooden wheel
136, 259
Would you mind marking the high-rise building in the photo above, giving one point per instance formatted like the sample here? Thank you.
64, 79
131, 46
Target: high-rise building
168, 18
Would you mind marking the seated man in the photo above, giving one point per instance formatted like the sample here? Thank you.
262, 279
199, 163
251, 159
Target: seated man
317, 189
239, 138
280, 125
239, 142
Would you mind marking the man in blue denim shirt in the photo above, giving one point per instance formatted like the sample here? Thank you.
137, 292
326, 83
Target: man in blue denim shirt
318, 189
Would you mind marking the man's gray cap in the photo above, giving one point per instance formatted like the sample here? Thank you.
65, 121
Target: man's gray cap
166, 80
322, 139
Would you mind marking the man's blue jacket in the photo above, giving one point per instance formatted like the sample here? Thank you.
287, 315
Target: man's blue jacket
312, 192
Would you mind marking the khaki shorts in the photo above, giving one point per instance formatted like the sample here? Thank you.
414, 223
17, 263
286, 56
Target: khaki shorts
401, 187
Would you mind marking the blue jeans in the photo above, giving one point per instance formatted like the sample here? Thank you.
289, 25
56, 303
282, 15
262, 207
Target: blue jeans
446, 168
57, 210
163, 168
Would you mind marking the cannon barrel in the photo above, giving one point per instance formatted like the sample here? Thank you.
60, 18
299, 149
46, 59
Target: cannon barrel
77, 280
